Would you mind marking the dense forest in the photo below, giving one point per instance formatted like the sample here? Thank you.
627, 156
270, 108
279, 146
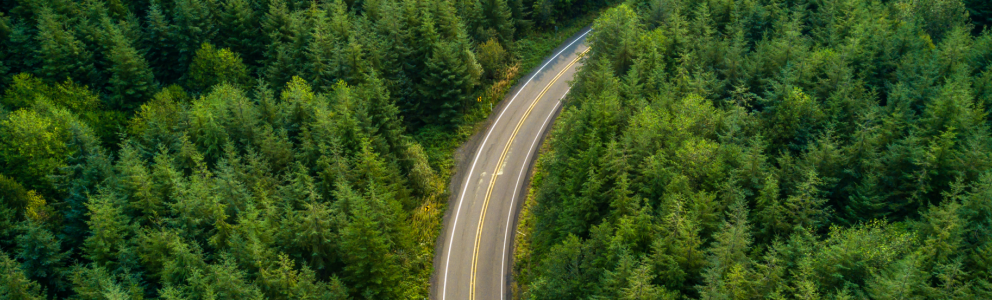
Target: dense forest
240, 149
763, 149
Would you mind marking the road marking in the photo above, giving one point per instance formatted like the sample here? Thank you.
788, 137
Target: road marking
506, 234
492, 181
447, 260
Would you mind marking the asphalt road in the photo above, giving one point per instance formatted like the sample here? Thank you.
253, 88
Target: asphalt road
475, 254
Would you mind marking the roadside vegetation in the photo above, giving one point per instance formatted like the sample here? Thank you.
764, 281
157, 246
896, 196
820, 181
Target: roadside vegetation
763, 149
245, 149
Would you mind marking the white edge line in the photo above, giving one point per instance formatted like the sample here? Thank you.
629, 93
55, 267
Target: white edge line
447, 262
506, 235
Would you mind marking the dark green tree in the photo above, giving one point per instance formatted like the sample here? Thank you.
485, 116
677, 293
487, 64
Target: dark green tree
131, 80
42, 256
61, 55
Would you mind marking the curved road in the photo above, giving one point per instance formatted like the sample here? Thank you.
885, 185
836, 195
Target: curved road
476, 248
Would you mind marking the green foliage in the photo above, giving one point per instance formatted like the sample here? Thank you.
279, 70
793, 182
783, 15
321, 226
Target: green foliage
96, 283
214, 66
770, 149
27, 91
15, 285
41, 255
492, 57
61, 55
34, 147
615, 34
197, 149
448, 82
131, 80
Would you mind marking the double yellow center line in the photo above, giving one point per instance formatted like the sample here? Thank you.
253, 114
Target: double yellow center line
499, 164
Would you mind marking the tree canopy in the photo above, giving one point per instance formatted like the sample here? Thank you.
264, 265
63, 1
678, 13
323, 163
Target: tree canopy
240, 149
762, 149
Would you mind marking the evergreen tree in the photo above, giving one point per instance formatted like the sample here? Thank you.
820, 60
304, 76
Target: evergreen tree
500, 19
729, 268
131, 82
41, 256
448, 82
371, 268
282, 30
61, 55
15, 285
33, 146
85, 170
97, 283
238, 30
159, 47
108, 226
213, 66
191, 26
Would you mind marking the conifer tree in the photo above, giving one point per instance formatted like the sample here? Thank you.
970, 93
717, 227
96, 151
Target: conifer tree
61, 55
371, 268
97, 283
282, 29
729, 267
14, 285
447, 84
33, 146
191, 26
85, 170
157, 45
108, 226
500, 19
238, 30
131, 81
213, 66
41, 255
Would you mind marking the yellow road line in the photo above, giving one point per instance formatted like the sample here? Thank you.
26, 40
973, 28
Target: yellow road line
499, 164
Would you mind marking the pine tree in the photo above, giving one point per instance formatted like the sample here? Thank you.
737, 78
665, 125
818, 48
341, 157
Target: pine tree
729, 268
85, 169
902, 280
14, 285
41, 255
500, 19
372, 269
614, 37
5, 32
641, 288
108, 226
131, 82
61, 55
238, 30
447, 84
97, 283
770, 211
282, 30
563, 273
157, 44
213, 66
192, 25
222, 280
283, 282
806, 207
333, 53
